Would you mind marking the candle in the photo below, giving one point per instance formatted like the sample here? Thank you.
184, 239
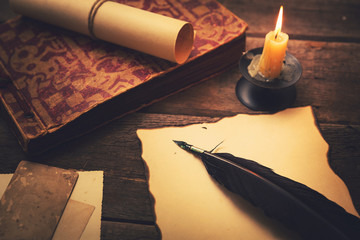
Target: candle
271, 60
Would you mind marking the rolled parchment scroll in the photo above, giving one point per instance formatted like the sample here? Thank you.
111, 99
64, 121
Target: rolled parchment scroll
148, 32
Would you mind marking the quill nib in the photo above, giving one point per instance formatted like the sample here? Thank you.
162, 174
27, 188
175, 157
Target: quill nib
189, 147
181, 144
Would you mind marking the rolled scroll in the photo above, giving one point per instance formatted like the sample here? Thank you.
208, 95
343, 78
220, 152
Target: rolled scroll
148, 32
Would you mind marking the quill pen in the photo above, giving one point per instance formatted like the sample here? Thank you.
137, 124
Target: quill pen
295, 205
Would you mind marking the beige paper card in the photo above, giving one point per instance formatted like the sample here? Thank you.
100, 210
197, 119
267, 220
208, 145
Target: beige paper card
189, 204
4, 182
73, 221
89, 190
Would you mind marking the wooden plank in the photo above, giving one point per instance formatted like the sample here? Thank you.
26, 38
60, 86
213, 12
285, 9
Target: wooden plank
314, 19
327, 76
128, 231
329, 83
127, 199
115, 149
344, 155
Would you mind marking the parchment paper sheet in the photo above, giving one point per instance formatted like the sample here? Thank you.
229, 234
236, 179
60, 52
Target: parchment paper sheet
148, 32
190, 205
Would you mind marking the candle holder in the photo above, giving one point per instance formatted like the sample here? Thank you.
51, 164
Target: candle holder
271, 95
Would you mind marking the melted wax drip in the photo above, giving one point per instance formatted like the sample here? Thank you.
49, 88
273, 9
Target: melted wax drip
287, 71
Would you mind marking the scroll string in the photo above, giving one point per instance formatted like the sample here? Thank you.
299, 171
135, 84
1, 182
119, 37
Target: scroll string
95, 7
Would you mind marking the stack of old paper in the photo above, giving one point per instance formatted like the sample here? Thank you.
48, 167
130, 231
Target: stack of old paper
43, 202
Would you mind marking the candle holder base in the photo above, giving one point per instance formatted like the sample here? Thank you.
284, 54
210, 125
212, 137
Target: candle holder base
263, 99
273, 95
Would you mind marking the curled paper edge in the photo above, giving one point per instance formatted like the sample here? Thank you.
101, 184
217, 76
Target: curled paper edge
184, 43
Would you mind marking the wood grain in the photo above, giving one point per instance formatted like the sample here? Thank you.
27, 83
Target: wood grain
324, 36
128, 231
327, 75
329, 20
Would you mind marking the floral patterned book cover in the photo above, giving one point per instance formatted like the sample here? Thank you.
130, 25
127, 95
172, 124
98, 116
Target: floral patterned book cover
57, 84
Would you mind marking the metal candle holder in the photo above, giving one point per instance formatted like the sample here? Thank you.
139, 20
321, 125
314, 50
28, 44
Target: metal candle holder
272, 95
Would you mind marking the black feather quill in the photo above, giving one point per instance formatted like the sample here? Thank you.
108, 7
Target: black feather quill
295, 205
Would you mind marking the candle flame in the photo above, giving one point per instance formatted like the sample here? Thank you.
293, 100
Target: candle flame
279, 22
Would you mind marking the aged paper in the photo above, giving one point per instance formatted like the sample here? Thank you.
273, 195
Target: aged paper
189, 204
148, 32
73, 221
34, 201
89, 191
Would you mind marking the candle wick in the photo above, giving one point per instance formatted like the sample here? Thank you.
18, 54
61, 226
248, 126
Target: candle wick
277, 33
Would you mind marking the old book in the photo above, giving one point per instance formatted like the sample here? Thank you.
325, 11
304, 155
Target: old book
57, 84
34, 201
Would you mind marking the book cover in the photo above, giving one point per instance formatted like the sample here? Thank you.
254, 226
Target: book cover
57, 84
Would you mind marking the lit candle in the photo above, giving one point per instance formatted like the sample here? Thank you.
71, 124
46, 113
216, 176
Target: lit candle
274, 51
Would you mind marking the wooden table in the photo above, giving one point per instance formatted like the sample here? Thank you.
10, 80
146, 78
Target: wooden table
324, 36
